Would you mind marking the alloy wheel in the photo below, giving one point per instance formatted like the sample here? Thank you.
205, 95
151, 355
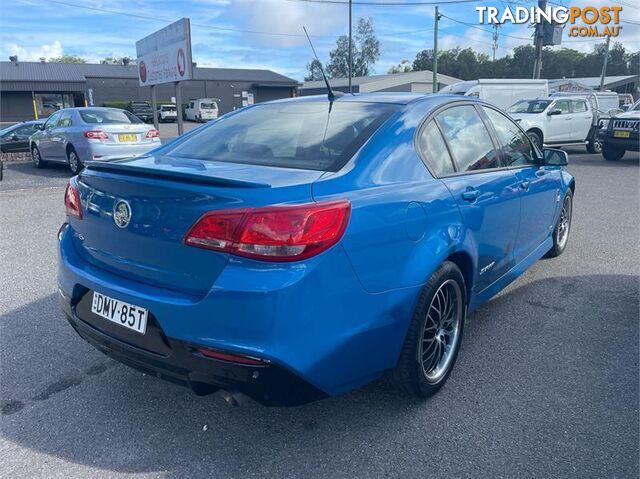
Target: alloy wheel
35, 156
564, 223
441, 332
74, 162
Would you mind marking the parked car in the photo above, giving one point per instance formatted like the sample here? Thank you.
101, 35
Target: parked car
141, 109
201, 110
15, 138
298, 249
620, 134
558, 121
167, 113
500, 92
77, 135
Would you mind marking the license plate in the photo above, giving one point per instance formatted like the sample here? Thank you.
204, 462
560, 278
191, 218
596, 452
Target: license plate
128, 315
621, 134
128, 138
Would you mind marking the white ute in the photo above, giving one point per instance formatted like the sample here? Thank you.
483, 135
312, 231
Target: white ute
558, 121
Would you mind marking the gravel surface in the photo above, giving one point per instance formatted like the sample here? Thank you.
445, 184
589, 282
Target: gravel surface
546, 384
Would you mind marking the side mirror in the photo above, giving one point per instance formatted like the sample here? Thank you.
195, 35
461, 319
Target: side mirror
555, 157
13, 137
555, 111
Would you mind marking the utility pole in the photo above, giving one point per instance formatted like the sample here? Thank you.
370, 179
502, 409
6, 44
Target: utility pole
350, 48
435, 51
538, 40
494, 47
604, 65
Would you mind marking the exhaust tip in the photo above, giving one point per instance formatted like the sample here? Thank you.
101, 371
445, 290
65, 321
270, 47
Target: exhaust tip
234, 398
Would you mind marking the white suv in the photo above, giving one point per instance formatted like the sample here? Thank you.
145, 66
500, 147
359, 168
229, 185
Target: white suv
167, 113
558, 121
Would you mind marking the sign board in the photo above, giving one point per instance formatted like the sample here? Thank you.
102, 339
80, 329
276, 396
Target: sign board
165, 56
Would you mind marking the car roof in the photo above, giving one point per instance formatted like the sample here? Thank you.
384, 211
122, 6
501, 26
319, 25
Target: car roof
434, 99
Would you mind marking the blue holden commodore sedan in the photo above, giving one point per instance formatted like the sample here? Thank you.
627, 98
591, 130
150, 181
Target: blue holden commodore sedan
298, 249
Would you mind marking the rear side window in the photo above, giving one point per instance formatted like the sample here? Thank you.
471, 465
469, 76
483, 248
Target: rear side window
468, 139
434, 150
302, 135
514, 144
579, 106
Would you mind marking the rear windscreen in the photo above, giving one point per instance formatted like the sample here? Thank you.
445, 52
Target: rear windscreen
108, 117
305, 135
208, 106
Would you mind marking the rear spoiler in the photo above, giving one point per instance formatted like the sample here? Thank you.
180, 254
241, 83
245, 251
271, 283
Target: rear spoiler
175, 174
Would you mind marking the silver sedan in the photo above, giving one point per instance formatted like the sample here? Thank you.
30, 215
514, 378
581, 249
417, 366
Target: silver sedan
77, 135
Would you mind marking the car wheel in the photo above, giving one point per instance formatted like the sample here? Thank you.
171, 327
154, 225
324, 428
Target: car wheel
563, 227
75, 164
594, 146
38, 162
611, 153
433, 340
535, 139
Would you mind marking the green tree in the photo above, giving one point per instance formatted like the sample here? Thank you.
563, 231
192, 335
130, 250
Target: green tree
423, 60
365, 51
314, 69
67, 59
403, 67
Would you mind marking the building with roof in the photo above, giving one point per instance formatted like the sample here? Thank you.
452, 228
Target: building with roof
415, 82
619, 84
31, 90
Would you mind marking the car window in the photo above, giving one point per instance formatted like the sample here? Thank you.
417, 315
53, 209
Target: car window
192, 104
529, 106
434, 150
52, 121
514, 144
309, 135
65, 119
207, 106
468, 139
25, 130
579, 106
108, 117
562, 105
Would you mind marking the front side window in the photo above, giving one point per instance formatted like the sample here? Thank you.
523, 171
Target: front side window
52, 121
434, 150
529, 106
65, 119
514, 144
26, 130
562, 105
303, 135
108, 117
468, 139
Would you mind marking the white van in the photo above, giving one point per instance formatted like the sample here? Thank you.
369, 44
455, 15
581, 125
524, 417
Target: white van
201, 110
501, 92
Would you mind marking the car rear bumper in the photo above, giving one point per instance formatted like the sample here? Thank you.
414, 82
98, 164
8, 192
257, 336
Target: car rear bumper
319, 331
108, 151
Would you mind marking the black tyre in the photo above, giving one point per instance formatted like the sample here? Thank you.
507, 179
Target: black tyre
37, 160
535, 138
611, 153
563, 227
433, 340
75, 164
594, 145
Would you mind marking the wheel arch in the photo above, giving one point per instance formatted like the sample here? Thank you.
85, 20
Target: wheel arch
537, 131
464, 262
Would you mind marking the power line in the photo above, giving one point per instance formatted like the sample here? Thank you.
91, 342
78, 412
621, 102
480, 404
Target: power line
471, 25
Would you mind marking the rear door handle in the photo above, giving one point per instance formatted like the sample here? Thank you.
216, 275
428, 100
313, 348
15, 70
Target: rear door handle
524, 185
541, 173
470, 195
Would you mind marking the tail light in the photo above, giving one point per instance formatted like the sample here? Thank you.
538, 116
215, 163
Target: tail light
96, 135
72, 201
232, 358
276, 233
153, 134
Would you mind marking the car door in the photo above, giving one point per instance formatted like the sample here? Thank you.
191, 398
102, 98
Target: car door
539, 184
44, 137
59, 135
582, 119
487, 193
558, 128
17, 139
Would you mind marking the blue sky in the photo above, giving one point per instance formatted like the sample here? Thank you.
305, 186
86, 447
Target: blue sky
32, 29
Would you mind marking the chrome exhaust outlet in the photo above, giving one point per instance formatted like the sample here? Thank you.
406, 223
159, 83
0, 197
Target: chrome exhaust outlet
234, 398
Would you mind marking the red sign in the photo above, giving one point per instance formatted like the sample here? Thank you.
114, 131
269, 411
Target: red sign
143, 72
181, 61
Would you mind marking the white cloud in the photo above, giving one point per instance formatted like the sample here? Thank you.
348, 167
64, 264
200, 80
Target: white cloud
35, 53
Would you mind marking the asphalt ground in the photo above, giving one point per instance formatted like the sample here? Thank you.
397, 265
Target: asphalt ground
546, 384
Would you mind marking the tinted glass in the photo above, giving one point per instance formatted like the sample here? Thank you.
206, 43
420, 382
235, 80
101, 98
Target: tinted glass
529, 106
208, 106
579, 106
108, 117
65, 119
435, 151
25, 130
562, 105
514, 144
468, 139
303, 135
52, 121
